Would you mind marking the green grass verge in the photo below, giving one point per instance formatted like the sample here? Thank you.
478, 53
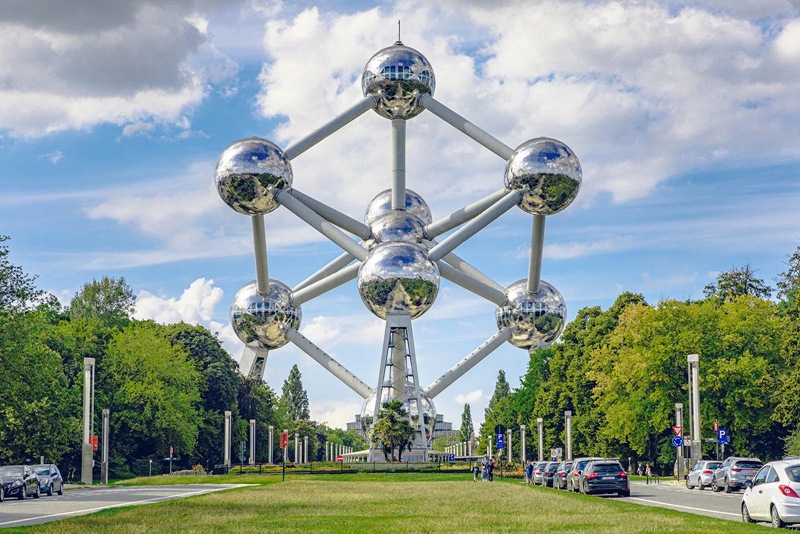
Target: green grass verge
396, 503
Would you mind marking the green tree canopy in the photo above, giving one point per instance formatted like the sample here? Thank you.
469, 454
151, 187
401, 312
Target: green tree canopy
294, 399
501, 390
17, 289
467, 430
737, 282
393, 430
111, 300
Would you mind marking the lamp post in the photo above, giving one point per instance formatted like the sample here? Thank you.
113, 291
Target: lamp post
568, 430
522, 443
540, 426
694, 371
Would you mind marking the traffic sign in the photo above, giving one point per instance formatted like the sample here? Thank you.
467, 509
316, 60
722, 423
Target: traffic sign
499, 429
716, 426
340, 458
452, 457
501, 441
677, 430
284, 440
677, 441
722, 436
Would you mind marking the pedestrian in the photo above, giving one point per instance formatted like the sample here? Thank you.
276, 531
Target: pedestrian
648, 473
529, 472
640, 470
485, 469
475, 471
491, 470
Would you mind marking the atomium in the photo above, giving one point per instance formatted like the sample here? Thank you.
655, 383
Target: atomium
398, 75
247, 170
533, 318
264, 317
399, 226
550, 172
381, 204
409, 399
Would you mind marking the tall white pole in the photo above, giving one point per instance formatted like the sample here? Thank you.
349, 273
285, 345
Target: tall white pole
398, 164
489, 446
305, 449
296, 448
522, 445
271, 434
252, 442
87, 452
568, 429
694, 363
540, 425
104, 457
226, 455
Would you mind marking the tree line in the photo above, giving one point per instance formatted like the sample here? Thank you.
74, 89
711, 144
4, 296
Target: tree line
621, 371
165, 385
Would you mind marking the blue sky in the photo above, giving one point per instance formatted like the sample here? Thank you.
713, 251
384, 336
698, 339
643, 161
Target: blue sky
685, 116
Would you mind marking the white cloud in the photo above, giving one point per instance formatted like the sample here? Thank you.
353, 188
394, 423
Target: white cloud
326, 331
335, 413
472, 397
53, 157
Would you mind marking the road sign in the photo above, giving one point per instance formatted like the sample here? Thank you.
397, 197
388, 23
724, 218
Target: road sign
284, 440
499, 429
722, 436
340, 458
677, 441
716, 426
501, 441
452, 457
93, 441
677, 430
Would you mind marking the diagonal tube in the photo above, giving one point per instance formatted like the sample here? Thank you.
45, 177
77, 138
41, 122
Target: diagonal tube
471, 284
469, 270
326, 284
464, 126
535, 258
317, 222
331, 126
463, 215
332, 215
477, 224
334, 367
334, 266
473, 359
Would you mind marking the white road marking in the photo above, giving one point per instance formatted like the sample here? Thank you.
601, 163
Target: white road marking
660, 503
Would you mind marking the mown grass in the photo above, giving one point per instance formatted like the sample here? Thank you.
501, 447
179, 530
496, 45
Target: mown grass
396, 503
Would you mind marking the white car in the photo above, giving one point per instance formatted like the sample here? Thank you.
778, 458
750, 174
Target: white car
774, 494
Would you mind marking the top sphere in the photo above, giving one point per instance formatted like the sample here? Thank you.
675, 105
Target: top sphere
398, 75
382, 204
245, 172
550, 171
533, 318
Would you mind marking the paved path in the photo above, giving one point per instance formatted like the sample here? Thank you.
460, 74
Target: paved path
82, 500
677, 497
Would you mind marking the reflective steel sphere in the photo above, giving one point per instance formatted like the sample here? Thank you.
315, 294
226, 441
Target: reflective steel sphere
409, 403
533, 318
264, 317
550, 171
398, 75
399, 226
382, 203
398, 278
246, 170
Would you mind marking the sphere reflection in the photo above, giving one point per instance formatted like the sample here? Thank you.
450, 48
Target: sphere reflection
550, 171
399, 226
533, 318
398, 278
382, 204
409, 400
264, 317
398, 75
245, 172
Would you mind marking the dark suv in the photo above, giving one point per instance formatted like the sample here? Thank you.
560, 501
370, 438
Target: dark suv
574, 476
605, 476
19, 481
733, 473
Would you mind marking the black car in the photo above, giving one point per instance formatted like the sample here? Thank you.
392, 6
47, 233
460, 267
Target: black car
605, 476
50, 479
548, 473
19, 481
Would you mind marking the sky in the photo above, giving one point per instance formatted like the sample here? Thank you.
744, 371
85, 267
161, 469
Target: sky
685, 116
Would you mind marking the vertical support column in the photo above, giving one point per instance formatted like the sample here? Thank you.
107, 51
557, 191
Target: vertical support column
296, 448
679, 423
535, 259
226, 454
87, 454
694, 366
398, 164
568, 430
104, 457
540, 426
305, 449
271, 435
252, 442
398, 364
489, 446
260, 249
510, 446
523, 452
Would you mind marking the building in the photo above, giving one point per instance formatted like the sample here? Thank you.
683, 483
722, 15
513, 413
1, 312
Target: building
442, 429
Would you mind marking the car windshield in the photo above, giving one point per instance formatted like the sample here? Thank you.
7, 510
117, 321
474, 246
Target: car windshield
713, 465
607, 468
746, 464
793, 471
11, 471
42, 470
552, 467
580, 465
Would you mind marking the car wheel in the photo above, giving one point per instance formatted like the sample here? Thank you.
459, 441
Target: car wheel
61, 489
50, 490
746, 514
701, 487
727, 486
23, 493
38, 493
777, 522
714, 485
626, 493
2, 497
688, 486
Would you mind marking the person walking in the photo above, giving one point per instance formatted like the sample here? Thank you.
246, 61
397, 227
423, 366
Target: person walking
475, 471
485, 469
529, 472
491, 470
648, 473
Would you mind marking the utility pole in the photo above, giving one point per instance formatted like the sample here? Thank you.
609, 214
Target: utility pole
87, 450
104, 457
252, 442
679, 424
540, 425
568, 430
522, 444
226, 455
694, 370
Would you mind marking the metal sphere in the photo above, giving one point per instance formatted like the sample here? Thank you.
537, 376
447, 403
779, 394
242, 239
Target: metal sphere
245, 172
382, 204
409, 400
550, 171
264, 317
398, 278
533, 318
399, 226
398, 75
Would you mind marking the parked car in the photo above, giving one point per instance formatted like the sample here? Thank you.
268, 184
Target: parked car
560, 479
577, 468
733, 472
605, 476
19, 481
50, 479
2, 489
548, 473
538, 471
774, 494
701, 474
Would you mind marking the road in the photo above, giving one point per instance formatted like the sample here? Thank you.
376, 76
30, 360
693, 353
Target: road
676, 497
80, 501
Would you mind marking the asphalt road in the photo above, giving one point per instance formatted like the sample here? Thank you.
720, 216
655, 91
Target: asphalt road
80, 501
676, 497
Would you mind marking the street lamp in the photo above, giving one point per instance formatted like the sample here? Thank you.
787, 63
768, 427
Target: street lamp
151, 467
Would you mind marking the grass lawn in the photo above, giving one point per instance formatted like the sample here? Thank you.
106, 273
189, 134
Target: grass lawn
387, 503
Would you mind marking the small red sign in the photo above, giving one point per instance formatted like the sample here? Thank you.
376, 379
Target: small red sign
678, 430
170, 450
284, 440
93, 441
340, 458
716, 426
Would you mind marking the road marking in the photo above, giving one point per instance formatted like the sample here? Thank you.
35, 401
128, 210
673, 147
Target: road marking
131, 503
684, 507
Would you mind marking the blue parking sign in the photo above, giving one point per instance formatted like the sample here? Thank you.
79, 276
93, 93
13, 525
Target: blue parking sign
452, 457
722, 436
501, 441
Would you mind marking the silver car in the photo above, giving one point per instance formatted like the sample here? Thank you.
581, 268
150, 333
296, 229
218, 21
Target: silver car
774, 494
701, 474
734, 472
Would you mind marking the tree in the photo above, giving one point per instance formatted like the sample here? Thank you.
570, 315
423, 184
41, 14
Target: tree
501, 391
294, 398
17, 290
737, 282
788, 282
393, 430
467, 430
111, 300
